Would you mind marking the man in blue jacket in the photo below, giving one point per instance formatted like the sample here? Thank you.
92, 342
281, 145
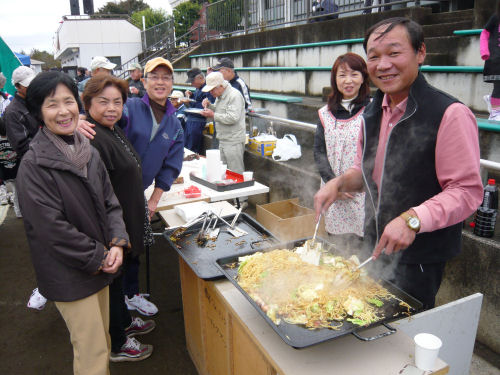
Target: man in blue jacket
195, 123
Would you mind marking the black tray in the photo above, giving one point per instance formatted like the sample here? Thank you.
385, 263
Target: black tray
221, 186
298, 336
202, 259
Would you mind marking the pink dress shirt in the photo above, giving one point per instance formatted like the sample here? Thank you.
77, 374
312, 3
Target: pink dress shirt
457, 165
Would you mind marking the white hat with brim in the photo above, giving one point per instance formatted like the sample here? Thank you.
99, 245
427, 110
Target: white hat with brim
23, 76
213, 80
101, 62
176, 94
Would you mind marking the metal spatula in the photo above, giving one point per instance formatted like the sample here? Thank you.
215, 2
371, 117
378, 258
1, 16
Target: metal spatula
316, 230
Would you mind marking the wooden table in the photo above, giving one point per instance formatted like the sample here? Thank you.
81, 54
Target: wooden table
226, 335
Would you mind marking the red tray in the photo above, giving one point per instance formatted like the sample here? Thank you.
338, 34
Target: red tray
233, 181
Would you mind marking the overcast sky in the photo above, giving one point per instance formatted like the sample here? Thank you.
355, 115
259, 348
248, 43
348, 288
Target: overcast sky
28, 24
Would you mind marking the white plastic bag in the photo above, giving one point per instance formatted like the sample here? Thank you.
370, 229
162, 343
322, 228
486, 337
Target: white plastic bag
287, 148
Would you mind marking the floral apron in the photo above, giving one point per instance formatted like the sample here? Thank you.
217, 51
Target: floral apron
341, 138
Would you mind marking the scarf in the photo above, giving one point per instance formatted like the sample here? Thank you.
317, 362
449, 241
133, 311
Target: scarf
158, 110
77, 154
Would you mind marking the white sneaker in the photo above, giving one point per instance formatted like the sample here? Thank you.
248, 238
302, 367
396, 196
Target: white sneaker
141, 304
37, 301
495, 115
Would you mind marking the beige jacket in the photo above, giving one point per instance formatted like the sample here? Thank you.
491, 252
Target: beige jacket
229, 117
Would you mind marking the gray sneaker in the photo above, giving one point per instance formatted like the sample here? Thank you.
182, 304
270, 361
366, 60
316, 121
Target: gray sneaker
132, 350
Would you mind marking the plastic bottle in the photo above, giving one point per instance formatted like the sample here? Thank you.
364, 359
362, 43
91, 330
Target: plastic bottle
486, 214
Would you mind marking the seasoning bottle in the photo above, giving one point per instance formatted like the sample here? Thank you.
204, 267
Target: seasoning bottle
486, 214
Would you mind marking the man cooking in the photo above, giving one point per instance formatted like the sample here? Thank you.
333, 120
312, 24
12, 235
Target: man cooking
417, 160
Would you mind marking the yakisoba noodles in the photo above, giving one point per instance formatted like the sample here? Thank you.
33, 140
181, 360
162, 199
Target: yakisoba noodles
286, 287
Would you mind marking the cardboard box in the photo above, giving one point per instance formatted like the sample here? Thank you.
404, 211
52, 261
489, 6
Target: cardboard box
264, 148
287, 219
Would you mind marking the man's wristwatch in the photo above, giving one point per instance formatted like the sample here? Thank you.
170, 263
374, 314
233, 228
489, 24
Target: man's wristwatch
413, 222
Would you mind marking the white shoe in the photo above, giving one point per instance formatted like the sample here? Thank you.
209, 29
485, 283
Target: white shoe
36, 301
141, 304
494, 115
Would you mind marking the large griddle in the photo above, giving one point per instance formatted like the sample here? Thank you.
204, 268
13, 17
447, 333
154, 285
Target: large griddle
298, 336
202, 259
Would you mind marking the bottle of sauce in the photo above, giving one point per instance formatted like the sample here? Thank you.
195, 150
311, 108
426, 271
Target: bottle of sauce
486, 214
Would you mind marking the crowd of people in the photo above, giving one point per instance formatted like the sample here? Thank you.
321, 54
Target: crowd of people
77, 154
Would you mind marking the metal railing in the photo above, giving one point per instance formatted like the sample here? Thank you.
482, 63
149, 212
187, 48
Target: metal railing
159, 35
229, 17
486, 165
168, 48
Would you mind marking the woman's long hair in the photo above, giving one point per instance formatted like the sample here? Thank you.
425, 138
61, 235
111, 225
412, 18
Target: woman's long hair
355, 62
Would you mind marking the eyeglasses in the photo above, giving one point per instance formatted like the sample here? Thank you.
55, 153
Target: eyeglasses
155, 78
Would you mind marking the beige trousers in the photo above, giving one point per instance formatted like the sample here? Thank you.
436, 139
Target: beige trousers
87, 320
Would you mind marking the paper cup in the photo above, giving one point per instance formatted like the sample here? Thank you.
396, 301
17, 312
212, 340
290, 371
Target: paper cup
247, 176
426, 350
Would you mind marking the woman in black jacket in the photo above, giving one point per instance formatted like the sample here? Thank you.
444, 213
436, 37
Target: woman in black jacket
336, 139
103, 99
72, 218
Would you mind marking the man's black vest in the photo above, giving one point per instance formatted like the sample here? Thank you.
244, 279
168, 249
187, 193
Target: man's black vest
409, 174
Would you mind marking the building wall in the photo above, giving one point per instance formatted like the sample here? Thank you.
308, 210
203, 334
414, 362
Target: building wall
91, 38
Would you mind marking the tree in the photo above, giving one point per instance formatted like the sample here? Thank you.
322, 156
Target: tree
46, 57
184, 15
153, 17
123, 7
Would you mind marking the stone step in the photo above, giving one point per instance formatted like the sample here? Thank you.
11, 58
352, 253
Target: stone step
434, 58
445, 17
446, 29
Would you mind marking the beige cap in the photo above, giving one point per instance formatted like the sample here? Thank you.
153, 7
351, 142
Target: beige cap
214, 79
176, 94
156, 62
101, 62
135, 66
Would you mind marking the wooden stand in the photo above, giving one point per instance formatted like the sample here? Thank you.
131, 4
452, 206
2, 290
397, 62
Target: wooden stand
225, 335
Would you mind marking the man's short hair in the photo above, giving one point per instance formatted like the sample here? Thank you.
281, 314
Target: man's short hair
225, 62
415, 31
193, 73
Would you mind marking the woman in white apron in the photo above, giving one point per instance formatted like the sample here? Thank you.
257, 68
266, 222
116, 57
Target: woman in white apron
336, 140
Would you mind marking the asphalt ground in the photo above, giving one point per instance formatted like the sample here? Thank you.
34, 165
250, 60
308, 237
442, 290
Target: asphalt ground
37, 342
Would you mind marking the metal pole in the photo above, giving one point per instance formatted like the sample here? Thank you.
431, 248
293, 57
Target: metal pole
245, 15
144, 31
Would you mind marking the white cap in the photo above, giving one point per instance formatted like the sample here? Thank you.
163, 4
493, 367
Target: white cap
214, 79
101, 62
23, 76
176, 94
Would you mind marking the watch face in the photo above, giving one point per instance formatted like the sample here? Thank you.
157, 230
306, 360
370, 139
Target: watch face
414, 223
